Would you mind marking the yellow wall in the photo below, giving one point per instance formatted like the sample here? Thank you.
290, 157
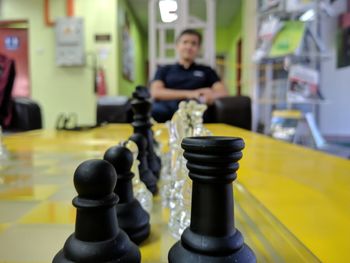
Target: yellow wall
65, 89
226, 44
242, 27
249, 33
139, 39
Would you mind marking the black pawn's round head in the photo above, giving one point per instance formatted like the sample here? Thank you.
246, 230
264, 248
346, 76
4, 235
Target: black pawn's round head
140, 141
120, 157
94, 179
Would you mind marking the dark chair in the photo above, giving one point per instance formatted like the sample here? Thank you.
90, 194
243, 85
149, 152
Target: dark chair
234, 110
26, 115
113, 109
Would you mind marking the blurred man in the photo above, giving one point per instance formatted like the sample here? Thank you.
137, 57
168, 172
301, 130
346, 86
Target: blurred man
184, 80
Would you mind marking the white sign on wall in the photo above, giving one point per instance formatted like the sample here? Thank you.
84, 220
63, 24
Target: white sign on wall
70, 41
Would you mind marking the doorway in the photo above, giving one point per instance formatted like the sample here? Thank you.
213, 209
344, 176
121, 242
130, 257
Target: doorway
239, 68
14, 45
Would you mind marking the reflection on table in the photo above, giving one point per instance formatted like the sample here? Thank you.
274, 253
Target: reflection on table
291, 203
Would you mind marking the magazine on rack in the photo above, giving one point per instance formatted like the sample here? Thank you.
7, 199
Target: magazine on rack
303, 85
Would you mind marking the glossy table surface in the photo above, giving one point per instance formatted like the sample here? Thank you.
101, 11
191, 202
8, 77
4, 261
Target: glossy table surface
292, 204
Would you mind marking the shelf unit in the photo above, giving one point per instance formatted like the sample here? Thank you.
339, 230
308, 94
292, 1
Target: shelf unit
270, 92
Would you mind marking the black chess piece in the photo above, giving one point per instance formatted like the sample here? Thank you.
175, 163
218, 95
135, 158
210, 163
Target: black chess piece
146, 174
212, 236
141, 107
132, 218
97, 236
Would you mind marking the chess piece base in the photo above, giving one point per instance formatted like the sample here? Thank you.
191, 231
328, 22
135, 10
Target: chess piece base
180, 254
134, 220
119, 249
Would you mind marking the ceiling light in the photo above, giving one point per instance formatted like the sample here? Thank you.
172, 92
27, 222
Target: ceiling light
168, 10
308, 15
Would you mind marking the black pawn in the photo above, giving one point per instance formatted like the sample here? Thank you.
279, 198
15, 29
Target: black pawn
132, 218
141, 107
97, 236
146, 174
212, 236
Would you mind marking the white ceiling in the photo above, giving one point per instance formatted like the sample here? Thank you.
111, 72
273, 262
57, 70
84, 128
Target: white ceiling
225, 11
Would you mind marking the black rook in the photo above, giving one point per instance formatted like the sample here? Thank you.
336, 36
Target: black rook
212, 236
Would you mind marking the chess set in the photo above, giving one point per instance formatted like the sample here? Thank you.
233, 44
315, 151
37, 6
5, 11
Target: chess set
98, 198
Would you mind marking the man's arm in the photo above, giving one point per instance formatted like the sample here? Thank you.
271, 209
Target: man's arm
160, 92
217, 90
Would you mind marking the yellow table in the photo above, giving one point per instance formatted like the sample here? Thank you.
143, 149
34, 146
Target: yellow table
292, 203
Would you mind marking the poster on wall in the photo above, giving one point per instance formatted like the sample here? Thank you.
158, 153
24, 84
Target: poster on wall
343, 41
343, 48
128, 51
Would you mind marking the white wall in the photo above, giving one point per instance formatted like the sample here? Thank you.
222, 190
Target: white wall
66, 89
249, 33
249, 69
334, 117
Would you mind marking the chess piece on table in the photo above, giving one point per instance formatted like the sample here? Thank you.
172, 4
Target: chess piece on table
196, 115
132, 218
212, 236
4, 154
178, 128
141, 107
188, 121
146, 174
141, 192
97, 236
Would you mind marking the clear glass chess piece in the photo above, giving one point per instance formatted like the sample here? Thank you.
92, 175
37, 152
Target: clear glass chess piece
164, 156
165, 174
157, 146
196, 117
166, 162
182, 122
4, 154
178, 127
179, 213
181, 207
141, 193
169, 184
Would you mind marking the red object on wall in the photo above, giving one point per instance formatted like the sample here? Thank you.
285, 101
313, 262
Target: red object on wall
14, 45
101, 87
70, 7
69, 11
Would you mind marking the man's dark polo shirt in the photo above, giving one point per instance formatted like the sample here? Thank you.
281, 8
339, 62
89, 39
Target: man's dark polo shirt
177, 77
195, 77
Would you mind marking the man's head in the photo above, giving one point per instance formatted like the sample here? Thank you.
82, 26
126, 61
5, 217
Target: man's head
188, 44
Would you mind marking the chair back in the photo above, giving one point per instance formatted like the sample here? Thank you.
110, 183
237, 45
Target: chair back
234, 110
26, 114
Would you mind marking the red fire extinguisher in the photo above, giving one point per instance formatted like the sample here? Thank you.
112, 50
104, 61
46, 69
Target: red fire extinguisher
100, 82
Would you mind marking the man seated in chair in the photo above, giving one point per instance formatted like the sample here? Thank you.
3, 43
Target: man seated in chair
184, 80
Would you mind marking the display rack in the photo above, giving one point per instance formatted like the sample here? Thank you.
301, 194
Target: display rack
270, 92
